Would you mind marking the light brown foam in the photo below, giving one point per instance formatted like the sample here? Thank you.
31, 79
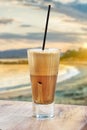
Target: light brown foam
44, 62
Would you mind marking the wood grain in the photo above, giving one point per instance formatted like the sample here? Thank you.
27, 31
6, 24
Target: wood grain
18, 116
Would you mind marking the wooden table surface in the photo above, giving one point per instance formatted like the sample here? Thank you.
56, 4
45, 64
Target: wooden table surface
16, 115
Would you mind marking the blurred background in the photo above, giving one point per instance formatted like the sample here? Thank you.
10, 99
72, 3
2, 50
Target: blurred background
22, 24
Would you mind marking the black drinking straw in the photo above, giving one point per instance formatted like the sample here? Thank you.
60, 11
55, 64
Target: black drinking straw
45, 33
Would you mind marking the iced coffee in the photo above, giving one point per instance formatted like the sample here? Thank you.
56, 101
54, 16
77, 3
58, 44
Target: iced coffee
43, 73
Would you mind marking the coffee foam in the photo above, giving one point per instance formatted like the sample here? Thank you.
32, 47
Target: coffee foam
44, 62
47, 50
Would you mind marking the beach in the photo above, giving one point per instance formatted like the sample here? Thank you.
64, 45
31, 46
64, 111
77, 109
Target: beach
73, 90
17, 75
15, 80
71, 85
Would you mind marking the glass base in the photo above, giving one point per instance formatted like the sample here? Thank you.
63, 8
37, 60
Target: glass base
43, 111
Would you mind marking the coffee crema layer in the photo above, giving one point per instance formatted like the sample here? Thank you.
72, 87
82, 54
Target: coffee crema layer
43, 62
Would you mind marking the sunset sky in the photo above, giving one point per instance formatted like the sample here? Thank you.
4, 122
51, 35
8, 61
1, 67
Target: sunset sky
22, 24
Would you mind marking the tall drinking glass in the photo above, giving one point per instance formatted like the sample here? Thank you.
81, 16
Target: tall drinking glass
43, 66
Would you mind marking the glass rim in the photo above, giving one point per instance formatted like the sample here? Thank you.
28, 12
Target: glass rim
48, 50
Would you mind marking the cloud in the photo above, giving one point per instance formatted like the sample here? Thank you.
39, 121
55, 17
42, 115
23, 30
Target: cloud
32, 2
69, 20
83, 1
58, 37
84, 29
25, 25
6, 21
64, 1
70, 1
52, 36
12, 36
72, 10
81, 7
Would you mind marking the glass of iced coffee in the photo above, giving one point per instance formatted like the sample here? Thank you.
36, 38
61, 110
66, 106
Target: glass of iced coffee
43, 66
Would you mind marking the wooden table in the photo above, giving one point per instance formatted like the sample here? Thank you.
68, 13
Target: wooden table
18, 116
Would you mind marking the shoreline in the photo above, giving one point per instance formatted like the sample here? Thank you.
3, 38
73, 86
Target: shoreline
14, 61
23, 89
70, 72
